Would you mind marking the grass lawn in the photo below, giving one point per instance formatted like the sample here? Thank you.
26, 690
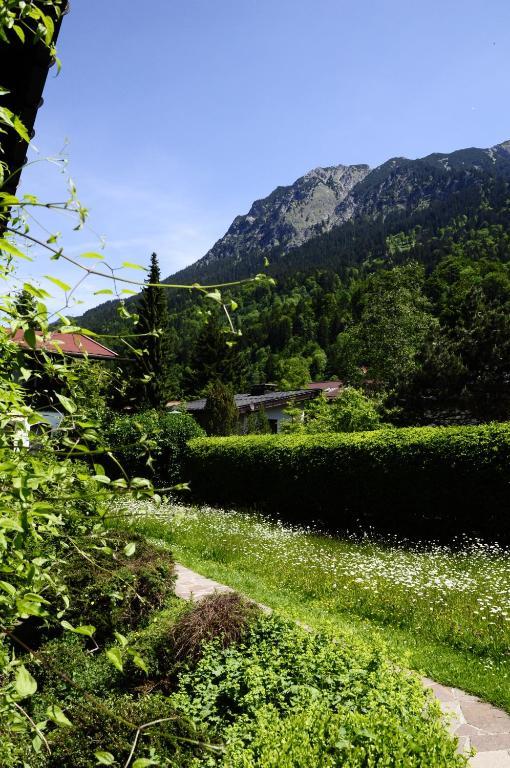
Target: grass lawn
447, 613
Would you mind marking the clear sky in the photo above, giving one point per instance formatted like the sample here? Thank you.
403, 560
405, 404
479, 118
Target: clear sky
180, 113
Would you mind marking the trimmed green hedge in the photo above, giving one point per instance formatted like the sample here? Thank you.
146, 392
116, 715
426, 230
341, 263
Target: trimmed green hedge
426, 480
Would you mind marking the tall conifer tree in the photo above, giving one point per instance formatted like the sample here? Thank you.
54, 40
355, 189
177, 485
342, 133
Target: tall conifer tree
154, 365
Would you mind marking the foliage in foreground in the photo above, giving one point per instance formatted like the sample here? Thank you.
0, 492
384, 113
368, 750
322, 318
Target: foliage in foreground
422, 480
287, 697
277, 695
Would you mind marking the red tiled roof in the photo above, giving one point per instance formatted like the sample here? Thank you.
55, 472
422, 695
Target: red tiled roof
69, 343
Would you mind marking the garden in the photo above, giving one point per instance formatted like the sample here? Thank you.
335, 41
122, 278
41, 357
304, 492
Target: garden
361, 555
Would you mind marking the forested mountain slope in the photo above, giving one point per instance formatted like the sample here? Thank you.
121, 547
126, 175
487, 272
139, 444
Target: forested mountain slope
325, 199
415, 288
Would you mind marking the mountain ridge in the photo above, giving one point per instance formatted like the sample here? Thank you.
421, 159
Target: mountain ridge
286, 224
291, 215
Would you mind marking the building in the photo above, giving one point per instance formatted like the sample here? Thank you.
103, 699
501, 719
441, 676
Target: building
71, 344
261, 398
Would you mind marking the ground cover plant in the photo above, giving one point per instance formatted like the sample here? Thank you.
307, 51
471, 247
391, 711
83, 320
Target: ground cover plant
250, 691
426, 481
448, 607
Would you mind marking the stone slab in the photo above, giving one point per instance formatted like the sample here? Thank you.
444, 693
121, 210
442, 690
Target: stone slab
493, 759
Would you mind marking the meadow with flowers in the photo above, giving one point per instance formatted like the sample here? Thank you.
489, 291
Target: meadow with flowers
445, 609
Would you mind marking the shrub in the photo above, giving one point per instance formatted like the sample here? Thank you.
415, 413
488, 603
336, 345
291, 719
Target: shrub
223, 616
163, 434
350, 411
317, 736
119, 592
91, 672
285, 697
423, 480
96, 730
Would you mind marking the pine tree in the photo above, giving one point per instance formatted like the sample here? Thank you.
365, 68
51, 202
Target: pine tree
220, 411
152, 386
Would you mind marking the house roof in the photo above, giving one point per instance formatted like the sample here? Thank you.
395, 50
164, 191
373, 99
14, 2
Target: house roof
329, 388
247, 403
75, 344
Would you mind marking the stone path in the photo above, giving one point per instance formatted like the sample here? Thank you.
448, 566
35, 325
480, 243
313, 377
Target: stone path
475, 723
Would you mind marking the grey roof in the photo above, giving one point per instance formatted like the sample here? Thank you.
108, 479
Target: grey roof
246, 402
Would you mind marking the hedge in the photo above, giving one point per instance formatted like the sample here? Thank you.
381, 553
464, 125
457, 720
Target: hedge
424, 480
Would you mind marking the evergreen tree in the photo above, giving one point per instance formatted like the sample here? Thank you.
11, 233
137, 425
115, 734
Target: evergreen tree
220, 411
153, 367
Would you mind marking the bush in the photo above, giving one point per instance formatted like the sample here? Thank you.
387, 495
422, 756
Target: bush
350, 411
424, 480
224, 616
117, 592
96, 730
286, 697
163, 434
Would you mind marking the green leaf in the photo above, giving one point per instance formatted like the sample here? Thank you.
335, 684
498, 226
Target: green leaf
50, 28
20, 129
84, 629
130, 549
214, 295
7, 199
114, 655
139, 662
131, 265
7, 523
25, 373
30, 338
104, 758
144, 762
7, 587
102, 479
104, 290
121, 639
68, 404
58, 283
5, 245
19, 31
233, 305
25, 684
55, 713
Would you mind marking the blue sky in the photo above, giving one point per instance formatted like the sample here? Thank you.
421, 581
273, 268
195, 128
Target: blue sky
179, 115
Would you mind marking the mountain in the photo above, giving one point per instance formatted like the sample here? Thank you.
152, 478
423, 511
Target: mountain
403, 270
287, 218
326, 198
317, 220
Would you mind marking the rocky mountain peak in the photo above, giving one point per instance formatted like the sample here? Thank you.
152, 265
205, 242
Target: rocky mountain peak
290, 215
